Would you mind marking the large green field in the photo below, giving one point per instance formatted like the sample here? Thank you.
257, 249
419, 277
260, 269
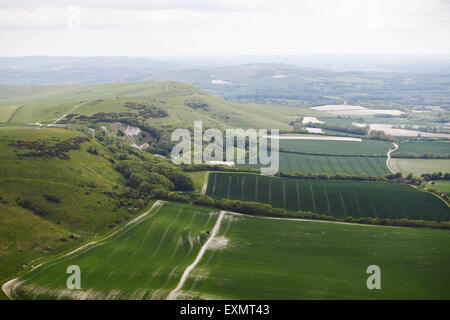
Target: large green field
352, 165
249, 258
143, 260
263, 258
419, 166
363, 147
335, 198
421, 147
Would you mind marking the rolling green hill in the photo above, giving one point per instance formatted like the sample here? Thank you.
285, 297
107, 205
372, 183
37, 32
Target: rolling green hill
184, 104
59, 187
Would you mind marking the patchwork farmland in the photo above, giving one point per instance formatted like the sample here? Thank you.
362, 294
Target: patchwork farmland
265, 258
335, 198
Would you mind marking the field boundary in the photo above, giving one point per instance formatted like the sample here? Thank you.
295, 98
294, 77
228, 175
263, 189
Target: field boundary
8, 286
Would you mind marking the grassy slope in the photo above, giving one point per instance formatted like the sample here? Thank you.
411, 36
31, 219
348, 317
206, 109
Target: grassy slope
419, 166
198, 178
336, 198
83, 211
141, 262
280, 259
47, 103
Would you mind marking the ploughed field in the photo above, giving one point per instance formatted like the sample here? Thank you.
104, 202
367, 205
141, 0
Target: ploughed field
250, 257
335, 198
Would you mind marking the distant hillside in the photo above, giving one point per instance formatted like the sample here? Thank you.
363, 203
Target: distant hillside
184, 103
422, 83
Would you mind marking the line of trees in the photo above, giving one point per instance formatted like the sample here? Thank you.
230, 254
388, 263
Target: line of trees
262, 209
427, 155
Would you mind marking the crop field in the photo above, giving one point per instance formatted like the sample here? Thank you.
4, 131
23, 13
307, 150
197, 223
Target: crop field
291, 162
334, 198
421, 147
142, 260
265, 258
364, 147
419, 166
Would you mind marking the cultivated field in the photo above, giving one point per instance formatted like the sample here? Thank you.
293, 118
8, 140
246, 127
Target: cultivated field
334, 198
421, 147
363, 147
419, 166
262, 258
143, 260
291, 162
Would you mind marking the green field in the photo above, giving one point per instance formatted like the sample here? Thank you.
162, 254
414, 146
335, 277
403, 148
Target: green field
7, 112
143, 260
364, 147
421, 147
419, 166
334, 198
442, 185
249, 258
291, 162
281, 259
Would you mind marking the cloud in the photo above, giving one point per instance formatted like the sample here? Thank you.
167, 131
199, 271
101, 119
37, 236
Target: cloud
172, 27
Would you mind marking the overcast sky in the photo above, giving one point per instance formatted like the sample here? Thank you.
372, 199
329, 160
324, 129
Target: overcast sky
218, 27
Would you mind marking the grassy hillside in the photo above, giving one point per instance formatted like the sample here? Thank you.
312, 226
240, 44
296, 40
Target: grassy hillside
66, 199
335, 198
48, 103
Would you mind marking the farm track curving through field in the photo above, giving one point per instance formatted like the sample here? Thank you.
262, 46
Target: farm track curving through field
172, 295
8, 287
389, 157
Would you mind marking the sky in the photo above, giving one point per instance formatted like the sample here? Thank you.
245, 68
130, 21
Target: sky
223, 27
